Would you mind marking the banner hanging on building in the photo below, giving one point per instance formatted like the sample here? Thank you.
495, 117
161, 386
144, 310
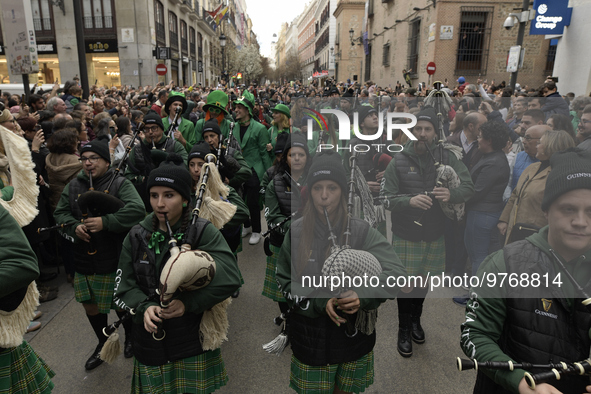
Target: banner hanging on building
551, 17
19, 37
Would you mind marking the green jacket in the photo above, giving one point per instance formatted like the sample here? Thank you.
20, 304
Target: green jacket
6, 192
17, 260
376, 244
254, 147
390, 181
224, 127
225, 282
137, 179
486, 310
118, 222
186, 128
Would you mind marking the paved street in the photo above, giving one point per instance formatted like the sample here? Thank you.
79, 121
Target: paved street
65, 341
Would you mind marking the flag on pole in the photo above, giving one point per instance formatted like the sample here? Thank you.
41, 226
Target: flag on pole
220, 16
214, 12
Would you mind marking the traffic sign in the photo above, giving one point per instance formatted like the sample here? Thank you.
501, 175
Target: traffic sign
431, 68
161, 69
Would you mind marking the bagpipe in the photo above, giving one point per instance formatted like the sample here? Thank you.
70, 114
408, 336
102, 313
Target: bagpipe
99, 203
18, 307
188, 269
446, 175
174, 124
550, 372
343, 260
275, 227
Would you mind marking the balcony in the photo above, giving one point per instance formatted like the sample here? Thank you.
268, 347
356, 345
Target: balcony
187, 7
200, 53
192, 50
174, 40
160, 34
43, 28
176, 1
184, 46
99, 26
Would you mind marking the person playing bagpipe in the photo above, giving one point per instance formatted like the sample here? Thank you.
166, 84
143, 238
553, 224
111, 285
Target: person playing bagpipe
97, 238
410, 190
541, 323
332, 333
150, 153
233, 168
232, 229
21, 368
183, 338
183, 132
282, 199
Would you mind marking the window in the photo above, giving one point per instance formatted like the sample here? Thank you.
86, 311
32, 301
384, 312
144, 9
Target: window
474, 40
414, 38
98, 15
199, 45
192, 41
370, 8
386, 55
159, 16
368, 63
184, 41
173, 30
41, 17
551, 57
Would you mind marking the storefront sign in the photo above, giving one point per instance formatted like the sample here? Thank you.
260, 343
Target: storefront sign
19, 37
101, 46
200, 66
163, 53
42, 49
551, 17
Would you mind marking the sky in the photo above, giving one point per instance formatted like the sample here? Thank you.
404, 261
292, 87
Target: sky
267, 18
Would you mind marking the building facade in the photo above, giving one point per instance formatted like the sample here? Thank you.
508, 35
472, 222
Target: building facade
348, 54
306, 39
121, 38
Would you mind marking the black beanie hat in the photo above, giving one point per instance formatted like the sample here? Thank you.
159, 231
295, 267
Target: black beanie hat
364, 112
152, 117
173, 174
281, 142
212, 125
429, 114
199, 151
299, 140
328, 166
571, 170
100, 146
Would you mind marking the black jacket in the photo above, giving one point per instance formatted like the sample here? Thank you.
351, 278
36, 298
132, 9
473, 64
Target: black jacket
490, 176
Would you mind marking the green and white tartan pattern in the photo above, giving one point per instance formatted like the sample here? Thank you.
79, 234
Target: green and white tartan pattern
96, 289
422, 257
200, 374
22, 371
354, 376
270, 286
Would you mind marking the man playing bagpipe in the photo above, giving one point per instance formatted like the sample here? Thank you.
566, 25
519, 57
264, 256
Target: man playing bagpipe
99, 220
544, 320
152, 151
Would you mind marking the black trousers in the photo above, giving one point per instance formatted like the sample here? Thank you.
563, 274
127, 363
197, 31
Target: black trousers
251, 197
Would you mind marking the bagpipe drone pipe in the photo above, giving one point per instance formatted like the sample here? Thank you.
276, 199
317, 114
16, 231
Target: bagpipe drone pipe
188, 268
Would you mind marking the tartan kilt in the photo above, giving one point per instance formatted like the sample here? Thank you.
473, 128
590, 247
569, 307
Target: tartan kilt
23, 371
96, 289
422, 257
354, 376
270, 289
200, 374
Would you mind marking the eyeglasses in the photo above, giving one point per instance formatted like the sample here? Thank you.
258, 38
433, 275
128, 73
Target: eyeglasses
92, 159
214, 110
530, 138
150, 129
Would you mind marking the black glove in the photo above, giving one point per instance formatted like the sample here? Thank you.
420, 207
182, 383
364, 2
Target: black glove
228, 166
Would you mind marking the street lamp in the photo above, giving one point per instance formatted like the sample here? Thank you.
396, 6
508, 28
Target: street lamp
359, 40
522, 17
223, 45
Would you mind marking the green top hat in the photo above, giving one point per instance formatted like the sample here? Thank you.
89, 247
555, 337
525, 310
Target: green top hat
217, 99
283, 109
247, 99
172, 97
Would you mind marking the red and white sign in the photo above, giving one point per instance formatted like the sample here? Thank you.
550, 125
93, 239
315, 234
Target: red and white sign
161, 69
431, 68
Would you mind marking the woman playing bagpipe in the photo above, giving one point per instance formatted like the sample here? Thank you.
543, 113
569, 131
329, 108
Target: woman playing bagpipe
231, 230
96, 240
332, 337
171, 342
282, 198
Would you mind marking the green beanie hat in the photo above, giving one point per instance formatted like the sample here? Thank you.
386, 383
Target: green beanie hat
571, 170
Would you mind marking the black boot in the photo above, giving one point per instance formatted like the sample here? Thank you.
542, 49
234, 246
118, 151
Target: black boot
94, 360
127, 326
418, 335
404, 335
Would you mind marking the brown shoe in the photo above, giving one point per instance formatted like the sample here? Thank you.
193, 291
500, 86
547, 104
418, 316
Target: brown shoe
47, 295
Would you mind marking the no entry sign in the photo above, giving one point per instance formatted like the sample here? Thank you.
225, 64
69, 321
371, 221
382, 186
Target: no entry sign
161, 69
431, 68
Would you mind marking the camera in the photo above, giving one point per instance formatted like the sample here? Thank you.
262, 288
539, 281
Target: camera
509, 23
